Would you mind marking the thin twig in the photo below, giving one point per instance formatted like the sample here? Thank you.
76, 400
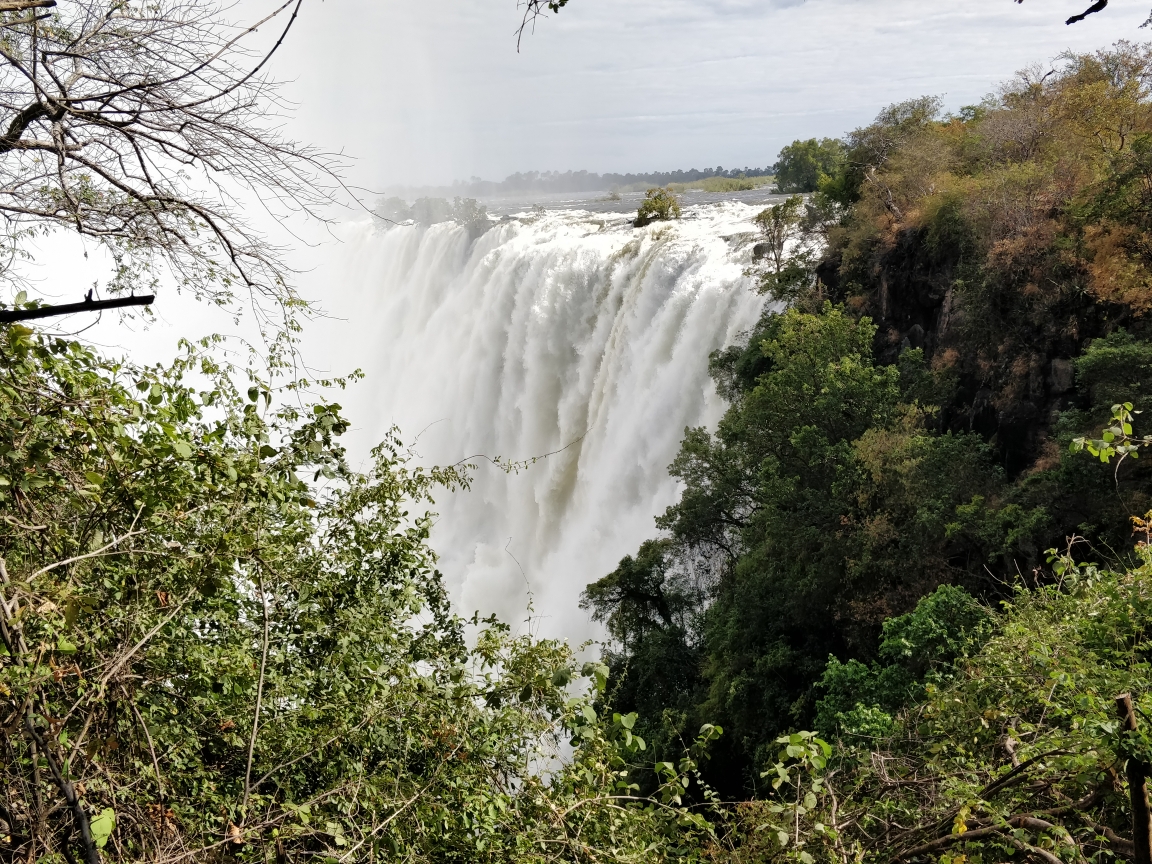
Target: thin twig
259, 697
151, 748
95, 554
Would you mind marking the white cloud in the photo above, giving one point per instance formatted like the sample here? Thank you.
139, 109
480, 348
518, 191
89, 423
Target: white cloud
431, 92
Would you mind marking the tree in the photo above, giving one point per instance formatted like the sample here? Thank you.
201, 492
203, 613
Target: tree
787, 248
802, 165
779, 225
138, 124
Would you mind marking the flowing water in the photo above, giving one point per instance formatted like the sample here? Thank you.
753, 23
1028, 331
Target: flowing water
564, 332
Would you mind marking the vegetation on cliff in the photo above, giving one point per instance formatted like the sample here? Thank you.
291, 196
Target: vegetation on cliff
852, 640
903, 427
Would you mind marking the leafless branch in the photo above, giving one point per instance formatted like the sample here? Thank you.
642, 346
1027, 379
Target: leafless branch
140, 124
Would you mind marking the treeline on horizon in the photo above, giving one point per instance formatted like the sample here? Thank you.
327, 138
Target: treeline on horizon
546, 182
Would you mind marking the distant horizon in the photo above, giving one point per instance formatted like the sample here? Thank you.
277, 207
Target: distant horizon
580, 180
621, 87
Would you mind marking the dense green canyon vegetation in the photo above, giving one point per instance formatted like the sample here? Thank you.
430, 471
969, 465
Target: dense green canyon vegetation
887, 619
965, 296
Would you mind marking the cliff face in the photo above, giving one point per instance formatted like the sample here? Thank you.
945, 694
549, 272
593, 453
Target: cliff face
1005, 354
1003, 243
1004, 360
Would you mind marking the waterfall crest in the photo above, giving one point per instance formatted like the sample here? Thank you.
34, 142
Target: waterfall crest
563, 333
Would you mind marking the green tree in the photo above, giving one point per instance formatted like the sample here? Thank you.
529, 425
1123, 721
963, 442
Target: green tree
822, 506
803, 165
786, 247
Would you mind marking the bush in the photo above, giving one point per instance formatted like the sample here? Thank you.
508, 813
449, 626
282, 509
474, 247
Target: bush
658, 205
204, 656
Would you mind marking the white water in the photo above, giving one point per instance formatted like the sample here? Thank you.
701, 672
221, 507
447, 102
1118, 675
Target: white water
566, 328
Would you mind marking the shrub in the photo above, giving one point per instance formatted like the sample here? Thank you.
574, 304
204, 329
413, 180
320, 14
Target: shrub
658, 205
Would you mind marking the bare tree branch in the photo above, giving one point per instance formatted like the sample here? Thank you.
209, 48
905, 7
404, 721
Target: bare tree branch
140, 124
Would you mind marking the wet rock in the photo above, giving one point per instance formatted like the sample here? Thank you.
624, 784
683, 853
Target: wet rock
915, 336
1061, 376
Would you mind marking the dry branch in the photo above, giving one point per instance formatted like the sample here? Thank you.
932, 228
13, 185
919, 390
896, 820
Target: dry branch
8, 316
139, 125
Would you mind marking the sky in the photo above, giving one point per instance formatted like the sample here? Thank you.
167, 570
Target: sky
429, 92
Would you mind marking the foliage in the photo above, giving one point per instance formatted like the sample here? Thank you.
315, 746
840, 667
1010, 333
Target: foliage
916, 649
220, 642
724, 184
658, 205
468, 213
1016, 750
822, 506
916, 436
786, 246
1117, 440
803, 165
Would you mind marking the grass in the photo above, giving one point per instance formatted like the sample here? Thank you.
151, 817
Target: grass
710, 184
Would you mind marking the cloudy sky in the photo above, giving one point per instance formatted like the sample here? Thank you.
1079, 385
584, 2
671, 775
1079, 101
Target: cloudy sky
427, 92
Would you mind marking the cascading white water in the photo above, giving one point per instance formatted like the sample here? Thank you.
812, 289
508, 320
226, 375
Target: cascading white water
562, 331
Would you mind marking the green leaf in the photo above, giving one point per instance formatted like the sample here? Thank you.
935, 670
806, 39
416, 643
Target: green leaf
64, 646
20, 298
102, 826
183, 449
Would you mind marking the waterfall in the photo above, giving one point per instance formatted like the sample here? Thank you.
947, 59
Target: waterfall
568, 333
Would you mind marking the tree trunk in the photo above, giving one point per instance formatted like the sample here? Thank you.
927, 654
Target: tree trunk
1137, 787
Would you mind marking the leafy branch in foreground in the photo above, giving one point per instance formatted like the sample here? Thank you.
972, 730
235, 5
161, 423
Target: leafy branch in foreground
1117, 440
220, 642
